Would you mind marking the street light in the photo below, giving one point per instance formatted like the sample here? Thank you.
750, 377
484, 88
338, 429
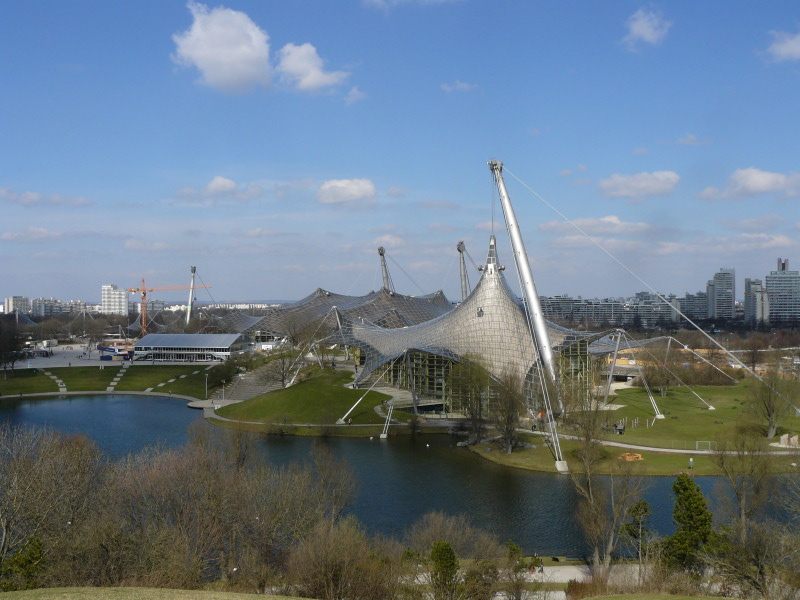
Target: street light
206, 386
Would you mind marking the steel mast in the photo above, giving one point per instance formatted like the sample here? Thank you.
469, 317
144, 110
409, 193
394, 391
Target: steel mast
533, 307
464, 277
387, 280
191, 297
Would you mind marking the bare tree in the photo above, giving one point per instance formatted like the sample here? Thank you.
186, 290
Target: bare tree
508, 404
769, 401
745, 466
280, 368
603, 500
469, 386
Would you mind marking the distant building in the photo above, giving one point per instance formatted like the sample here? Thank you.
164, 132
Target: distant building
18, 303
783, 291
186, 347
113, 300
695, 306
721, 291
756, 302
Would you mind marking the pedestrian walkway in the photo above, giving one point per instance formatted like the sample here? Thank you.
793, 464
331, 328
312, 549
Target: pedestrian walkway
120, 373
62, 387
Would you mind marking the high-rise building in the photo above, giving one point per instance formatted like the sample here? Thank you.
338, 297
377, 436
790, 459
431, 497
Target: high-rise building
783, 291
721, 292
18, 303
113, 300
756, 302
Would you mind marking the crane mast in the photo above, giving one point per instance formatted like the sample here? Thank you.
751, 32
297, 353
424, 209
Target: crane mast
144, 289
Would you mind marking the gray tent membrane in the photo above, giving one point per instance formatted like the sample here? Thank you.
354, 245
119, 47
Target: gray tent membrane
384, 308
491, 323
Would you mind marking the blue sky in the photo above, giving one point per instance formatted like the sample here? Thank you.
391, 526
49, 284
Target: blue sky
275, 145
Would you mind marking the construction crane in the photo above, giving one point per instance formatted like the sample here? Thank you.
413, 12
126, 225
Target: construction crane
144, 289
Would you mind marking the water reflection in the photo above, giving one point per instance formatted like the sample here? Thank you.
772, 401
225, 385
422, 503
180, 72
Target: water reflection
400, 479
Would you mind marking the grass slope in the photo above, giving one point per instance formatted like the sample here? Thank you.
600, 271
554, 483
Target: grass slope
320, 399
26, 381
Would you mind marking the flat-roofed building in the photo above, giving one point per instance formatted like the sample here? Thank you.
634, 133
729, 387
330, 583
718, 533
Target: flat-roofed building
191, 347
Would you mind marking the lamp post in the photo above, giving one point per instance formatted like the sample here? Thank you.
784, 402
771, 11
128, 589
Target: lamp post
206, 386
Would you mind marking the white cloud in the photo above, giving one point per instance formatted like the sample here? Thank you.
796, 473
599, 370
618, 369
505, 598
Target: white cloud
690, 139
756, 224
37, 199
227, 47
389, 241
32, 234
752, 182
220, 189
134, 244
220, 186
608, 225
347, 191
386, 4
302, 68
458, 86
648, 26
487, 226
639, 185
354, 95
258, 232
784, 46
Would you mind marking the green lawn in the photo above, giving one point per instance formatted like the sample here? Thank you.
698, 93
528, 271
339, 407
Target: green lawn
687, 420
138, 378
85, 593
26, 381
320, 399
87, 379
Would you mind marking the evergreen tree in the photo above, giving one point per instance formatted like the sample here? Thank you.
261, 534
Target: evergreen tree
694, 522
444, 571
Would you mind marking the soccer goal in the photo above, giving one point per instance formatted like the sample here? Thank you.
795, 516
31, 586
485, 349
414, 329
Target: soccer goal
705, 445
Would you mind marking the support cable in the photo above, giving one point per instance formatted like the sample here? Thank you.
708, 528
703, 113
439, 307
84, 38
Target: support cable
634, 275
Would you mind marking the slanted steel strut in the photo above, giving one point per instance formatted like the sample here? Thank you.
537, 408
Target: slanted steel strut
536, 315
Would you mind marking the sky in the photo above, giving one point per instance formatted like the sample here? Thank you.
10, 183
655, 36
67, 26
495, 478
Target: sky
276, 144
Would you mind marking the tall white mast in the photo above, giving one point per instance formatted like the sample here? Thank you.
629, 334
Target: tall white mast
535, 313
191, 297
541, 340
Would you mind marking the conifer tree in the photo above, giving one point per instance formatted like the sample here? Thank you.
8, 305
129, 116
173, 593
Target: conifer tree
694, 526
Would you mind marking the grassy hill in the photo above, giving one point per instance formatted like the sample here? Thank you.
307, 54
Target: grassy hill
320, 399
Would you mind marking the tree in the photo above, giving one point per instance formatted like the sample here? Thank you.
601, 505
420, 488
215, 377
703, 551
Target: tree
508, 405
744, 465
684, 548
458, 530
769, 401
469, 385
339, 561
636, 531
444, 576
603, 500
10, 345
280, 368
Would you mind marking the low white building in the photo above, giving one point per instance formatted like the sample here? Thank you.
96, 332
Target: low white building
191, 347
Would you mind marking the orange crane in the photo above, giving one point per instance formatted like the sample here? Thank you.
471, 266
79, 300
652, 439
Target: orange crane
144, 289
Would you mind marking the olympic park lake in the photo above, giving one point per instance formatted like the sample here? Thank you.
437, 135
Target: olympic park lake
400, 479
